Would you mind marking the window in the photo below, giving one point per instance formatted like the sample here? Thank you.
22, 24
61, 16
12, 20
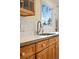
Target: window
46, 14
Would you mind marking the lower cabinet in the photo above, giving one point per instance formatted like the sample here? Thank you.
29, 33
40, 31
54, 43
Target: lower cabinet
43, 54
47, 49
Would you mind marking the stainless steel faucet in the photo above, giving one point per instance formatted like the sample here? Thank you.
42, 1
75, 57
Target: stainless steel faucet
39, 27
56, 29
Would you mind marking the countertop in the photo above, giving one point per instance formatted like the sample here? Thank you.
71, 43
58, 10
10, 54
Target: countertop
27, 39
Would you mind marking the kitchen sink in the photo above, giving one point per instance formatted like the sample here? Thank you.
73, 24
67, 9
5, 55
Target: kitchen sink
47, 34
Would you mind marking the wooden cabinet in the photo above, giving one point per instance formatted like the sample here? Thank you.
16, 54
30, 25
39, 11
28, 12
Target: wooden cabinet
54, 48
43, 54
46, 49
26, 7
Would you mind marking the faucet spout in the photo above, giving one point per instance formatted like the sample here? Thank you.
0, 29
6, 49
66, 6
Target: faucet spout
39, 26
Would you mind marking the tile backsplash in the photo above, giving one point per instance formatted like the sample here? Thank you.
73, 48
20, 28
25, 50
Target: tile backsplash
28, 26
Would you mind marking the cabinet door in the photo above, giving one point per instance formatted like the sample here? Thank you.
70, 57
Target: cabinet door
26, 7
52, 51
43, 54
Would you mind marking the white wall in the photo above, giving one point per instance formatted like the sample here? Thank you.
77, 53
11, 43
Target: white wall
29, 23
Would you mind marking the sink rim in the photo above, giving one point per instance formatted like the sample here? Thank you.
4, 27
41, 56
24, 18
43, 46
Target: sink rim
47, 34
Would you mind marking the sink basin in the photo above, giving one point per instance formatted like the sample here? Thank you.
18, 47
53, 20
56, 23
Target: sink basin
48, 34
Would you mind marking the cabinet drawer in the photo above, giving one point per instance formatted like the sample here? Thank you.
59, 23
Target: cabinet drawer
52, 41
27, 51
41, 45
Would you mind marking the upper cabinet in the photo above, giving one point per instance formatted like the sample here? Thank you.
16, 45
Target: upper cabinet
26, 7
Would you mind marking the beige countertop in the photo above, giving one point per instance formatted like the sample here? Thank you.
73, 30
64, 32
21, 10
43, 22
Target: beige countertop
27, 37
